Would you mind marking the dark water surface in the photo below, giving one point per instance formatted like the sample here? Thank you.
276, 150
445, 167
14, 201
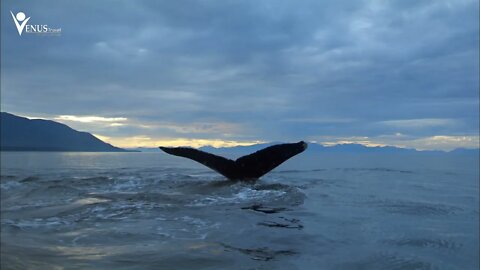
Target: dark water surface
152, 211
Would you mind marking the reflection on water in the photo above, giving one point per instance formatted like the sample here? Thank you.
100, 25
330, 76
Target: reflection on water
148, 211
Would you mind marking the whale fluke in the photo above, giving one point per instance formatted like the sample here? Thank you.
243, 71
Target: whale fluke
252, 166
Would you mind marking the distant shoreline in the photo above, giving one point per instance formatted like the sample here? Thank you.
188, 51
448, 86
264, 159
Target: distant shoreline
232, 151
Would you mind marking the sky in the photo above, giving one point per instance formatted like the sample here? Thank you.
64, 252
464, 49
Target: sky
146, 73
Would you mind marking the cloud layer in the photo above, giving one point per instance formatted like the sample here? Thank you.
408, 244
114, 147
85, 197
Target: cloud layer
247, 71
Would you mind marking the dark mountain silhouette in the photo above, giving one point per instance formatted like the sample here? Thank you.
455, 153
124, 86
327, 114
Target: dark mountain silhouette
23, 134
313, 148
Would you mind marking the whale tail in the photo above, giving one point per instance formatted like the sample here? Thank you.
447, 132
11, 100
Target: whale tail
252, 166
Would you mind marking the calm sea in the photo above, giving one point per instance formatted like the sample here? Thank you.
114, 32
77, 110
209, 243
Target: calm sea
153, 211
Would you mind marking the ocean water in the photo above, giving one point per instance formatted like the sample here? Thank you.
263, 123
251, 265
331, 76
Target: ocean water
153, 211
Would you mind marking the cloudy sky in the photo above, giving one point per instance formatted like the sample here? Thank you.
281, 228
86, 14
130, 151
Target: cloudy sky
145, 73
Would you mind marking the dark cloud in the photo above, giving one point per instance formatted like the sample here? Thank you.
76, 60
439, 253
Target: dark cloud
280, 70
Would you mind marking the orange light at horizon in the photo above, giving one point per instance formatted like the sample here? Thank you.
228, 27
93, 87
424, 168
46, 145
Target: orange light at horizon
145, 141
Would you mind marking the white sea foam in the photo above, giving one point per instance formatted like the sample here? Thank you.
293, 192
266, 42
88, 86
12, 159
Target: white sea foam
244, 195
10, 185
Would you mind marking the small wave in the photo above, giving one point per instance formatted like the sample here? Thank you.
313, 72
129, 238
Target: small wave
419, 208
262, 253
180, 176
7, 176
297, 171
265, 209
36, 223
52, 192
375, 170
287, 171
90, 200
30, 179
8, 185
425, 243
127, 184
114, 211
186, 228
394, 261
293, 195
87, 182
288, 223
389, 261
273, 186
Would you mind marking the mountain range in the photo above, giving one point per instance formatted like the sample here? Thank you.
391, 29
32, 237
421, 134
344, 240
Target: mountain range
313, 148
23, 134
339, 148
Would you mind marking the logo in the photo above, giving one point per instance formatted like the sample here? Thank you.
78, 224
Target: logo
21, 20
